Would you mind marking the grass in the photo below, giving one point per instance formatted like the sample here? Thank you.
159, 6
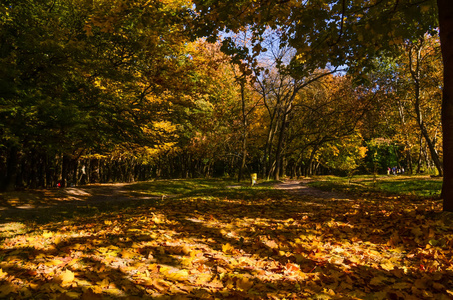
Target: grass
413, 186
39, 206
220, 188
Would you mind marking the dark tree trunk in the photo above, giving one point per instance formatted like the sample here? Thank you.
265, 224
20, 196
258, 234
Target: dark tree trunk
446, 38
12, 164
278, 152
244, 132
65, 170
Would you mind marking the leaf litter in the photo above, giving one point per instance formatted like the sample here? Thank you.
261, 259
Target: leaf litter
288, 247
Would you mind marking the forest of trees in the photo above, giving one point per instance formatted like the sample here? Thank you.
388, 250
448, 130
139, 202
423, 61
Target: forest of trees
120, 91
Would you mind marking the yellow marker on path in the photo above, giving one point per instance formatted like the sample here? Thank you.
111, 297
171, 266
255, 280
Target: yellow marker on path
253, 177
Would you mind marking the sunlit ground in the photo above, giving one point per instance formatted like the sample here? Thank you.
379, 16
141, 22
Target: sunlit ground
207, 247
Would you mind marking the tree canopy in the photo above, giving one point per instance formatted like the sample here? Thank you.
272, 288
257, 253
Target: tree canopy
99, 91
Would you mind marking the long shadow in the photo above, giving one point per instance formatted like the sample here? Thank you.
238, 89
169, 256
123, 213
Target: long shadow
55, 204
326, 278
260, 230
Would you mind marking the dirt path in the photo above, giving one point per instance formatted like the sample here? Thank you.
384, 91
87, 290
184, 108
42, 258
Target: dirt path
300, 187
46, 204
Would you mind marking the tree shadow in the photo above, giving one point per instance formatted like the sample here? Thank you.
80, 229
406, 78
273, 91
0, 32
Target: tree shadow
268, 248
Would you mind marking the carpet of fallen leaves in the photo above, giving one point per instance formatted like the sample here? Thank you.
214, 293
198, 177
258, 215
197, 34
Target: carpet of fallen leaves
293, 247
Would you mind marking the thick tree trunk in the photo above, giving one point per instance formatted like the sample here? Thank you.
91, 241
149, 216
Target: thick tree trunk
446, 38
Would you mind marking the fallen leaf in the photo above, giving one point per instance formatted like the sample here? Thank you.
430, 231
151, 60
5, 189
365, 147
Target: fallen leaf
6, 289
65, 277
244, 283
387, 265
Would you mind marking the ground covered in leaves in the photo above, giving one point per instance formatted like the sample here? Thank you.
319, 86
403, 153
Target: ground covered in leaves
207, 240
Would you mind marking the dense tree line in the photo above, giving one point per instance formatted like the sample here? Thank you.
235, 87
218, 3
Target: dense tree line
105, 91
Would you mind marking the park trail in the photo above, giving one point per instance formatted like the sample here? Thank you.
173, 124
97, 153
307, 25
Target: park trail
302, 189
43, 203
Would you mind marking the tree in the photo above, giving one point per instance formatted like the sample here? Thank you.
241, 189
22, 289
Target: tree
85, 77
446, 39
423, 68
407, 89
348, 32
325, 113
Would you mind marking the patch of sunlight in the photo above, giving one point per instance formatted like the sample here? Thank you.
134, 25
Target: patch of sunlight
12, 229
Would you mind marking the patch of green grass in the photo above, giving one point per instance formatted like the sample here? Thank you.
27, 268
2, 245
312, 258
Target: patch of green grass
12, 229
143, 194
177, 186
420, 187
220, 188
417, 186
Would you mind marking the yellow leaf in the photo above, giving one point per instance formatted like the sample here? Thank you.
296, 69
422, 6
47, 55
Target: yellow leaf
181, 275
127, 254
96, 289
47, 234
227, 248
3, 274
53, 262
271, 244
244, 283
216, 284
66, 277
203, 278
104, 283
388, 266
160, 285
57, 240
73, 295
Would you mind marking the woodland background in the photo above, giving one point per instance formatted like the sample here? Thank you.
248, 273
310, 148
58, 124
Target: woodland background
121, 91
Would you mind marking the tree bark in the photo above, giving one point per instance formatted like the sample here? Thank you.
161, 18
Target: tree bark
446, 38
65, 170
244, 132
415, 72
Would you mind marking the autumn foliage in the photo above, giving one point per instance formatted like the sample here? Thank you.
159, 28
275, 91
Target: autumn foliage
212, 241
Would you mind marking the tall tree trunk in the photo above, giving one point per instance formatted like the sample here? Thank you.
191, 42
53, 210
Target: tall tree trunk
244, 132
446, 38
244, 158
415, 72
278, 152
65, 170
406, 136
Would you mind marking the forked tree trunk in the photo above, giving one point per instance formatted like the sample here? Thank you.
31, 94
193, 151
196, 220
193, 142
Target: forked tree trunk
415, 73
